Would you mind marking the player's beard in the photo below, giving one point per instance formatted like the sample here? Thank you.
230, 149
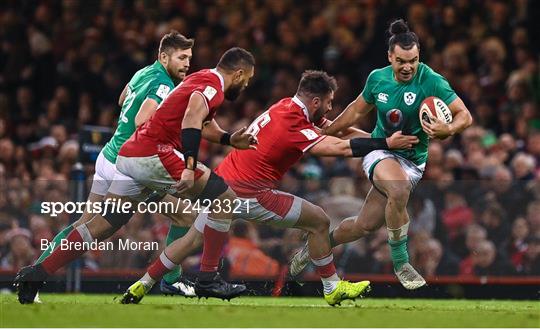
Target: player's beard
176, 74
317, 115
233, 92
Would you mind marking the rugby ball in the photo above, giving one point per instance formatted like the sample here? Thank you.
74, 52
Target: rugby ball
435, 107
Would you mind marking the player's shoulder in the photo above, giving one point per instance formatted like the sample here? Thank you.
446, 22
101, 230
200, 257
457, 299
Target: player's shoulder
425, 72
154, 74
380, 74
202, 76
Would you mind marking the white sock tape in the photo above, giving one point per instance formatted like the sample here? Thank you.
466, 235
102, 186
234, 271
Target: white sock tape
85, 233
323, 261
397, 234
166, 261
221, 225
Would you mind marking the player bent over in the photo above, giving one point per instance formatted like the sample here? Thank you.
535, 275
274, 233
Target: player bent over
254, 175
162, 155
397, 92
139, 100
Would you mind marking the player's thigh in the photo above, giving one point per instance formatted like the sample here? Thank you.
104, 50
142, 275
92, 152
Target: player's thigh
179, 211
312, 218
104, 172
390, 178
272, 207
371, 216
116, 210
167, 169
93, 200
125, 185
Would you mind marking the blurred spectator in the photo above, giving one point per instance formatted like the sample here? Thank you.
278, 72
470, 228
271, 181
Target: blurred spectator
432, 259
516, 245
457, 214
21, 252
531, 259
474, 235
422, 214
342, 202
245, 258
487, 262
493, 219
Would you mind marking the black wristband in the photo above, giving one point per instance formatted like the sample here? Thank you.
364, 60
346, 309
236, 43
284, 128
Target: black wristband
225, 139
363, 146
191, 139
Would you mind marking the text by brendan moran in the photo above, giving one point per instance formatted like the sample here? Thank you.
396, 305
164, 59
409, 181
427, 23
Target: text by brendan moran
121, 245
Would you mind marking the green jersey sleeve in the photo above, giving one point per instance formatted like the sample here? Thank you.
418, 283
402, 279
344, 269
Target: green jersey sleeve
440, 88
159, 90
370, 84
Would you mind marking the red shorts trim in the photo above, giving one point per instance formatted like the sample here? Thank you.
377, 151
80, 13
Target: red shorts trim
173, 162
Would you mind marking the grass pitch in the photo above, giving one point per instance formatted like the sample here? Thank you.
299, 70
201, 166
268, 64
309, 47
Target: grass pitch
80, 310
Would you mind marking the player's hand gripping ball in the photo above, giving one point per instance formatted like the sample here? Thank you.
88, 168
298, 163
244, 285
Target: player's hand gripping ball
435, 117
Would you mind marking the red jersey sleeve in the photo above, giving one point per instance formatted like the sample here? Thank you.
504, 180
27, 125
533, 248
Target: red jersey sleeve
211, 91
304, 136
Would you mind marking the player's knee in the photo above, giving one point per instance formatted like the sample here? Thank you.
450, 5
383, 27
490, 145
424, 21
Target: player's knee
216, 188
399, 193
117, 215
322, 222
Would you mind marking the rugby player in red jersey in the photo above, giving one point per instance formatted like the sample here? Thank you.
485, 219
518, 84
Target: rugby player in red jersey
162, 156
289, 129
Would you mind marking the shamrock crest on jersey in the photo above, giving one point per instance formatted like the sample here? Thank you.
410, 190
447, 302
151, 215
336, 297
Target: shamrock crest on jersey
409, 98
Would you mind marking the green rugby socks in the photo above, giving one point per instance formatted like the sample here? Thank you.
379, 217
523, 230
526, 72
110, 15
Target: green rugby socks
56, 241
174, 233
398, 250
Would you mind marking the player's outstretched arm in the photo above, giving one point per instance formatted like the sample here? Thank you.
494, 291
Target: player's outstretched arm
461, 119
359, 147
347, 133
240, 139
350, 116
148, 107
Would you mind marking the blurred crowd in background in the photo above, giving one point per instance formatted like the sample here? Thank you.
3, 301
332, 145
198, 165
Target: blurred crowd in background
63, 64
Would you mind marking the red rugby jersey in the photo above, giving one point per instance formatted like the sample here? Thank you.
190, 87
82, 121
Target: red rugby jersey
162, 131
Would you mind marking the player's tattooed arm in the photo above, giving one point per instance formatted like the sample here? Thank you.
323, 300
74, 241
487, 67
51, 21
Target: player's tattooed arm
359, 147
148, 107
122, 97
350, 116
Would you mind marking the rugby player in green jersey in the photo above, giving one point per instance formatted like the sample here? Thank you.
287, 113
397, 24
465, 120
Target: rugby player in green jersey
139, 99
396, 93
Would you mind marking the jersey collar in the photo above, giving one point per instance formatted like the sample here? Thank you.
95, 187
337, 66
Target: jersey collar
221, 80
296, 100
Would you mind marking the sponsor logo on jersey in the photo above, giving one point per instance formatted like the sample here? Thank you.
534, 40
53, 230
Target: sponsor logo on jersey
394, 118
209, 92
382, 97
163, 91
409, 98
310, 134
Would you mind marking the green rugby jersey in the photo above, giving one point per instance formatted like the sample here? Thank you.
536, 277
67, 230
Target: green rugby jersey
398, 105
152, 82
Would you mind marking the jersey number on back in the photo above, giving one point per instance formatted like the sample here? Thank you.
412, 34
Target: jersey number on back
130, 97
258, 123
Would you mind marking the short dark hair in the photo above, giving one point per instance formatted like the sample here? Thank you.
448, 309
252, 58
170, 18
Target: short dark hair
173, 41
402, 36
236, 58
316, 83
